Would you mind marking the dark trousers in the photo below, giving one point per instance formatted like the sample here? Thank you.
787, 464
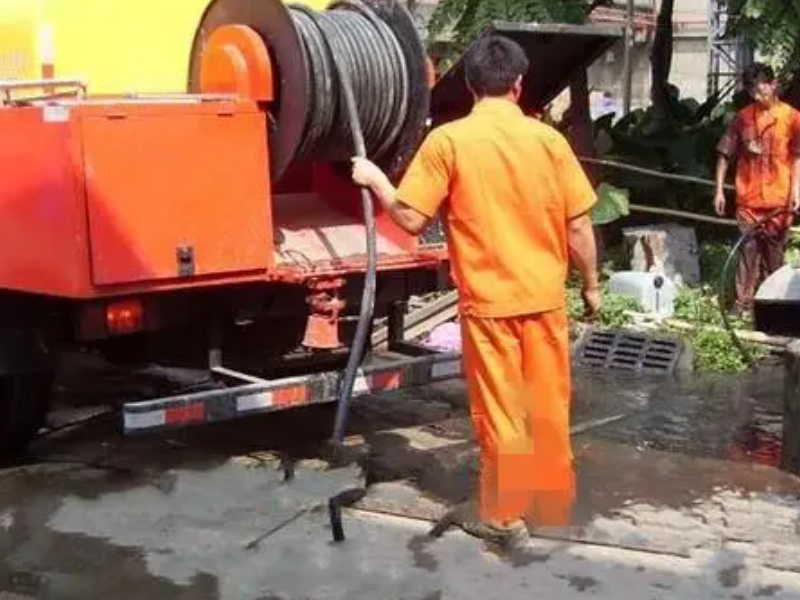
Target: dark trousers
762, 255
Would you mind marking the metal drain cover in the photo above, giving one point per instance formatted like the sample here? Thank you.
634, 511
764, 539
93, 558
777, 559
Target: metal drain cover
630, 351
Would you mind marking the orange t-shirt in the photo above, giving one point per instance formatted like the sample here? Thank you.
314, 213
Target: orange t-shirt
509, 185
764, 143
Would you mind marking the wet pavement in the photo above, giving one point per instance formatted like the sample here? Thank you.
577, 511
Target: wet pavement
676, 498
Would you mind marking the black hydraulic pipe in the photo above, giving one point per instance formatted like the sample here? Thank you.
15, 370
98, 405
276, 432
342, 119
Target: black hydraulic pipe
360, 90
337, 49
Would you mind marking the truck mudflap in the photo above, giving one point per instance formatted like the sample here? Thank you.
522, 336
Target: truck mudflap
247, 395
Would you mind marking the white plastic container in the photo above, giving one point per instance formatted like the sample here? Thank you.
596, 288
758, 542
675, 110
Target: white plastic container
654, 291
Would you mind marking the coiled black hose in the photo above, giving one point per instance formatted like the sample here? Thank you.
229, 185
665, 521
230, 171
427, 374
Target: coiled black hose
351, 38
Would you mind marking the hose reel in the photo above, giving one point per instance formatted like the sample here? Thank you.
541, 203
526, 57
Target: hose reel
376, 41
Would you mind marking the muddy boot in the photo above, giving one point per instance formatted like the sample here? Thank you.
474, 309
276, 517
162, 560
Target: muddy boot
466, 517
511, 535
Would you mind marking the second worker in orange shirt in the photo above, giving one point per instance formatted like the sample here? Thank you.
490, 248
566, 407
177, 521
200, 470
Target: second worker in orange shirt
764, 140
515, 202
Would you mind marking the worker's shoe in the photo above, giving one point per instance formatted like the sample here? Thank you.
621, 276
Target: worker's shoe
466, 516
512, 534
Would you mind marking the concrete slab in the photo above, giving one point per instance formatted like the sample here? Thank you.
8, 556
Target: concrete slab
91, 533
203, 513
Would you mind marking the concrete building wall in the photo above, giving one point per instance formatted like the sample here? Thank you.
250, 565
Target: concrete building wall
689, 62
690, 57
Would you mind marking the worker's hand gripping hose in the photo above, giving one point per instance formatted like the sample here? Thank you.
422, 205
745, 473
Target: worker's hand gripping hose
725, 278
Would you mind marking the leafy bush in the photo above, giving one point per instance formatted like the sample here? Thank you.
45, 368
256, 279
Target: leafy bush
612, 204
713, 255
792, 256
683, 143
714, 351
698, 305
613, 313
713, 347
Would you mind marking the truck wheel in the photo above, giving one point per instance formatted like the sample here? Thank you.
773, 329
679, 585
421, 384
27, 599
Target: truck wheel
24, 401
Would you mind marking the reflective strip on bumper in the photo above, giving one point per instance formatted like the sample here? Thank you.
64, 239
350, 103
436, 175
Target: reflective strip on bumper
262, 396
377, 382
450, 368
258, 401
145, 420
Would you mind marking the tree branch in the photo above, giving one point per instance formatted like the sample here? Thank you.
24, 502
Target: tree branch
661, 59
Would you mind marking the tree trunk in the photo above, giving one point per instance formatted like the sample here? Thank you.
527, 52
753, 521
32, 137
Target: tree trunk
581, 134
580, 120
661, 59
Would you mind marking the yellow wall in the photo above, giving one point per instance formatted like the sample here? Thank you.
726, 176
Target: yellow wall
118, 45
18, 43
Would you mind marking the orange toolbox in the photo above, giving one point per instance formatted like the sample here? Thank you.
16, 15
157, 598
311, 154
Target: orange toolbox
101, 197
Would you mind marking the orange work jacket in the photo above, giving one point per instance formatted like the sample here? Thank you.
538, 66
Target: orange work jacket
508, 184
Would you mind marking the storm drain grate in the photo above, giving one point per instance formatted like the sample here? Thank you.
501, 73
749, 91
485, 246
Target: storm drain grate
628, 351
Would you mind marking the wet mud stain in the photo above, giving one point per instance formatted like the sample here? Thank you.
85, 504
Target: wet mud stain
580, 583
768, 591
731, 577
661, 586
525, 558
423, 558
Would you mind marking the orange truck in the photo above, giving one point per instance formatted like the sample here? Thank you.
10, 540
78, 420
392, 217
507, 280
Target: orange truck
171, 212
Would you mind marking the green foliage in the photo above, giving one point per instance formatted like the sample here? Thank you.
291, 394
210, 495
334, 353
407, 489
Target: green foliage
698, 305
612, 315
773, 27
713, 347
685, 143
465, 19
612, 204
792, 255
713, 255
714, 351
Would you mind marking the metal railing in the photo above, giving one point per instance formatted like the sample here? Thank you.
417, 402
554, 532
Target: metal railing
79, 88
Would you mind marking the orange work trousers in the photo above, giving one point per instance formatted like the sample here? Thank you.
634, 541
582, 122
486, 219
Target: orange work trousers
518, 379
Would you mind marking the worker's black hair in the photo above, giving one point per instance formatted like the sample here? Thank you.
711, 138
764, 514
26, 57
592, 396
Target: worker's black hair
493, 64
757, 73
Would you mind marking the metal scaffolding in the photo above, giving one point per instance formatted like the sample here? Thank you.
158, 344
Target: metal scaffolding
728, 55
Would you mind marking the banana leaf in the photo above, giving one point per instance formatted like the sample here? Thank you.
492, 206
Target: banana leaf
612, 204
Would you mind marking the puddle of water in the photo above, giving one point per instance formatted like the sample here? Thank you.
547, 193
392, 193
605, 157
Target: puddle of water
716, 416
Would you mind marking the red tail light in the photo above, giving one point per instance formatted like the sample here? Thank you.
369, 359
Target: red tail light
126, 316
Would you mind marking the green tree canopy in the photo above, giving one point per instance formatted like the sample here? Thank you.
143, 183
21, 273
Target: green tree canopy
466, 18
773, 27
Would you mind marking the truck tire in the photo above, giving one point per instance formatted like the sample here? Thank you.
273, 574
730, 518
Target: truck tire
24, 402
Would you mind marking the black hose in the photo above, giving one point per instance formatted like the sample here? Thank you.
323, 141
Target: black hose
351, 38
358, 75
724, 279
354, 63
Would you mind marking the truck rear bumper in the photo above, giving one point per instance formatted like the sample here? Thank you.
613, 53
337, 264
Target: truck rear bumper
247, 395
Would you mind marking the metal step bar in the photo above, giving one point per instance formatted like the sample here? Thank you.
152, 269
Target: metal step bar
251, 395
404, 365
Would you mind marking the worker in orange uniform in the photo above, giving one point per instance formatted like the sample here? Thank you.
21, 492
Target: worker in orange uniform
764, 140
515, 202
